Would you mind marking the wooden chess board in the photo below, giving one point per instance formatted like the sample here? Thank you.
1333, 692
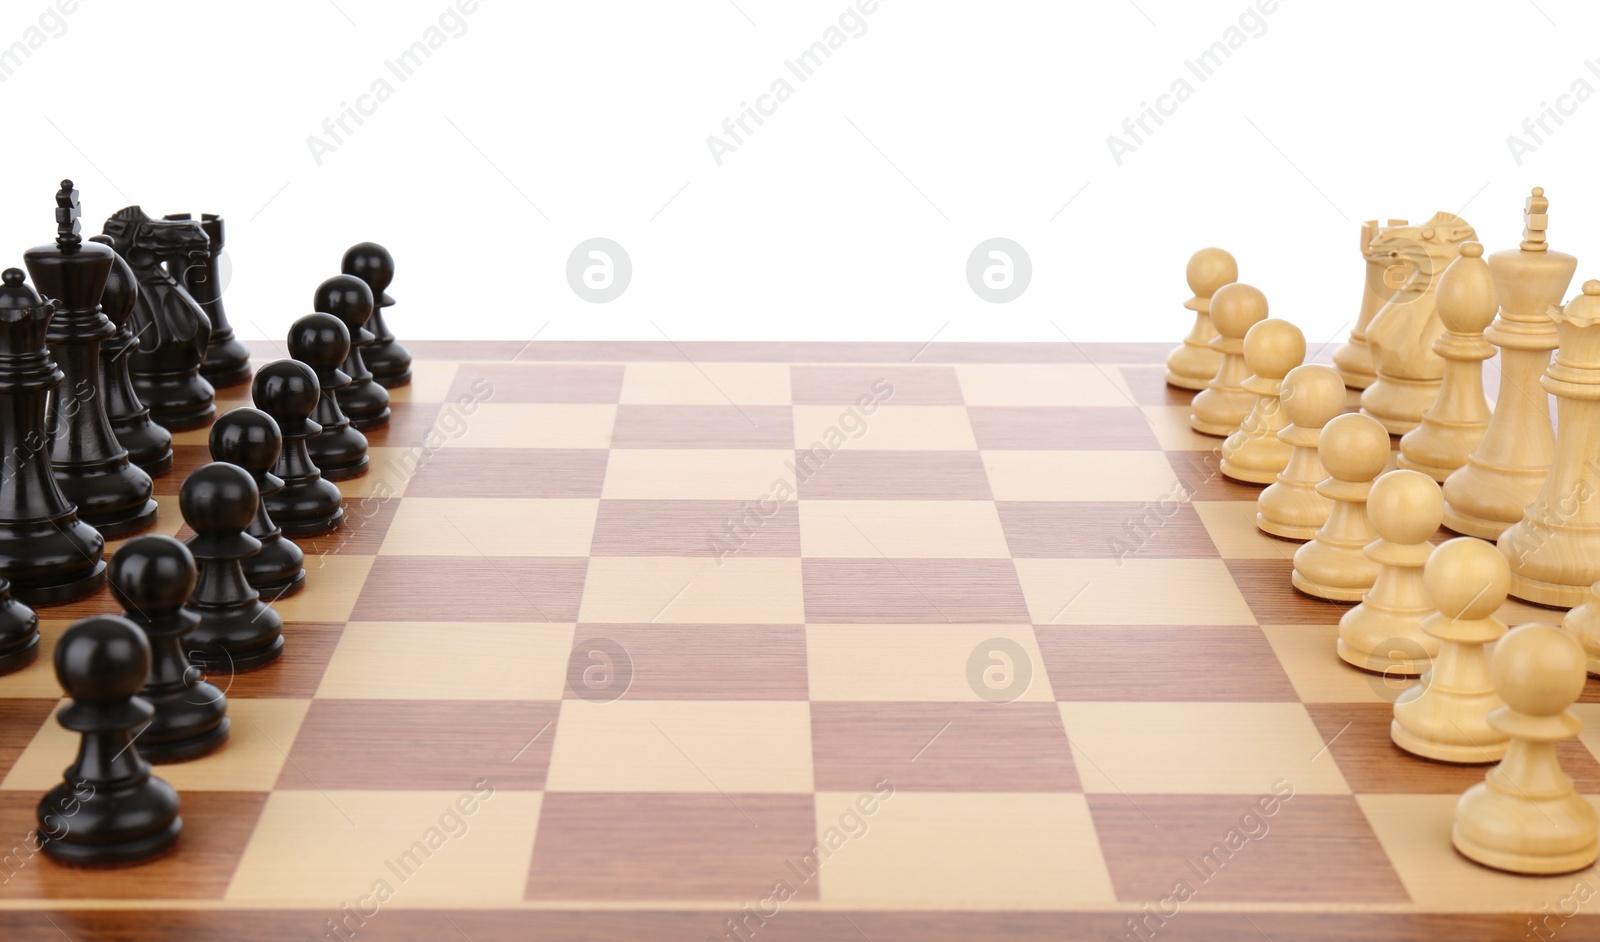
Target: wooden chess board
610, 648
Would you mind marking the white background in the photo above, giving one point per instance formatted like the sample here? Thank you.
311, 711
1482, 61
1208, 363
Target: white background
850, 213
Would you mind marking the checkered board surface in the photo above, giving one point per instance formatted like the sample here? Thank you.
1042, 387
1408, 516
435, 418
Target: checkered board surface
528, 599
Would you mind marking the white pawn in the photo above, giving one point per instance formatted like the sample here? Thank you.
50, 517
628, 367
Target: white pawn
1526, 817
1583, 623
1254, 454
1454, 425
1313, 395
1223, 405
1354, 448
1445, 717
1384, 633
1192, 364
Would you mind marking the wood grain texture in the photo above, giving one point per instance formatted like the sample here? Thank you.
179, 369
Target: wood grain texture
1162, 663
442, 588
1098, 529
1090, 428
696, 528
912, 591
890, 475
706, 662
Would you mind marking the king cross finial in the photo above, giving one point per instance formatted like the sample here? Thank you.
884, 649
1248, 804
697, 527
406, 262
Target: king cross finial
1535, 215
67, 216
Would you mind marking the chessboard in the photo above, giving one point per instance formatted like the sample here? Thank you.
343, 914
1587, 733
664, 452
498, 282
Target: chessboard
793, 642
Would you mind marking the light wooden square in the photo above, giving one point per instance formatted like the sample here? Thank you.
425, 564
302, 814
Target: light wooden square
707, 384
1081, 475
333, 583
928, 663
1319, 676
902, 529
964, 851
536, 425
439, 526
430, 381
690, 590
890, 428
1198, 748
169, 520
1231, 524
700, 474
1042, 384
259, 737
38, 680
399, 661
1173, 431
1132, 592
682, 746
324, 850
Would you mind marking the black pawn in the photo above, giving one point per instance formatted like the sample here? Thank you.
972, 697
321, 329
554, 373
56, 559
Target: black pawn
151, 578
322, 342
149, 445
91, 467
250, 439
110, 810
287, 390
227, 361
237, 630
350, 300
19, 632
389, 362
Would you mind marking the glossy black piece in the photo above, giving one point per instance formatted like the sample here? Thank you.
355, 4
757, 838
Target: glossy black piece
110, 810
91, 467
322, 342
19, 632
48, 554
172, 329
237, 630
287, 390
250, 439
149, 445
227, 361
151, 578
389, 362
350, 300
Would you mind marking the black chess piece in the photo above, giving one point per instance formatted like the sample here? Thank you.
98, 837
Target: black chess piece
250, 439
322, 342
49, 555
287, 390
237, 630
110, 810
19, 632
227, 361
173, 330
91, 467
152, 577
350, 300
389, 362
149, 445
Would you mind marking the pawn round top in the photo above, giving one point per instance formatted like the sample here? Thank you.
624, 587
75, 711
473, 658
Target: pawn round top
286, 388
346, 297
1467, 298
320, 340
373, 264
1209, 269
1237, 307
1354, 447
1273, 347
218, 499
152, 573
15, 293
1467, 578
248, 438
1312, 395
1406, 506
102, 658
1538, 669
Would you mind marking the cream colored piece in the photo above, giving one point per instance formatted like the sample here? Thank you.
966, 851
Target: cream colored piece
1404, 329
1193, 363
1384, 633
1555, 548
1291, 508
1354, 448
1446, 716
1526, 817
1384, 276
1453, 426
1254, 454
1223, 405
1583, 623
1504, 474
